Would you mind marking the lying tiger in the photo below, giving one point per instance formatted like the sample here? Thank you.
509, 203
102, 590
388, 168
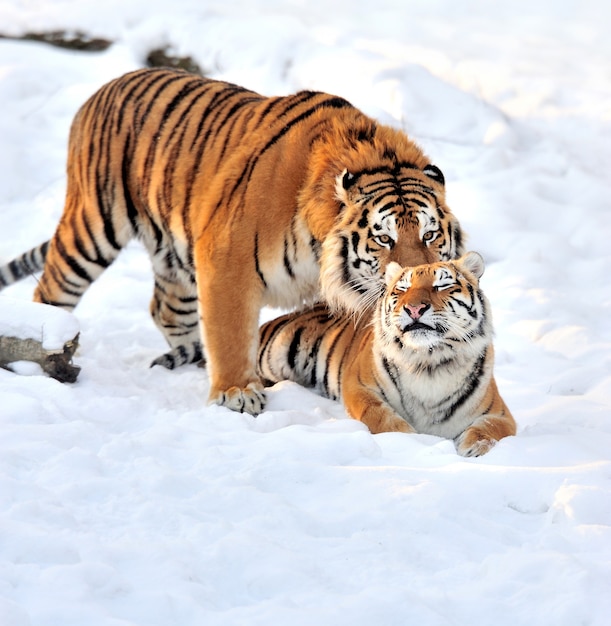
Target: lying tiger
423, 365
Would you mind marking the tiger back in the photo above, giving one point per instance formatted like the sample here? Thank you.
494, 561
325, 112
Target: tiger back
423, 363
241, 201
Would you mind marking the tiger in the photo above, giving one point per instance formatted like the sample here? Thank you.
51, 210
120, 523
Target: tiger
241, 201
422, 363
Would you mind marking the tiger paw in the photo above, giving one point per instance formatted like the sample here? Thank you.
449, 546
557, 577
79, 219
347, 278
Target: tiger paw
395, 424
250, 399
472, 443
181, 355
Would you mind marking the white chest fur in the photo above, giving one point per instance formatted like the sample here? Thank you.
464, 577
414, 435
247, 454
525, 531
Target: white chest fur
437, 394
292, 275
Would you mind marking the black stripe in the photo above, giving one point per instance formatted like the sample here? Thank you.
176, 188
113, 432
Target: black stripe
56, 303
182, 329
257, 268
487, 410
362, 223
244, 178
106, 218
393, 373
154, 143
340, 366
97, 112
344, 256
137, 79
224, 114
390, 370
198, 353
412, 196
334, 102
25, 265
329, 357
215, 102
72, 263
393, 170
379, 386
80, 248
377, 185
457, 237
273, 328
460, 303
288, 103
379, 195
356, 238
187, 115
287, 264
294, 347
79, 244
313, 358
157, 234
44, 248
230, 122
471, 383
318, 315
181, 312
17, 269
104, 160
63, 281
315, 248
132, 211
170, 77
179, 98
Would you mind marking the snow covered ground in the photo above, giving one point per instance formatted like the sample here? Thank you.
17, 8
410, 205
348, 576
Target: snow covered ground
124, 500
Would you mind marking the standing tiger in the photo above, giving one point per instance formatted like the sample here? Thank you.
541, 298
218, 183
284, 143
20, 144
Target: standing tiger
424, 364
241, 201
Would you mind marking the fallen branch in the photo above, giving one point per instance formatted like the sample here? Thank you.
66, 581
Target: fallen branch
39, 333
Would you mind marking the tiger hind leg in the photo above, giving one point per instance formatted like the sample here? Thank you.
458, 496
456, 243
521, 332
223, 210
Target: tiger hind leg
78, 253
174, 311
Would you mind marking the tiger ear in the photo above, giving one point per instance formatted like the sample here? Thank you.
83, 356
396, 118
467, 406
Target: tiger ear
432, 171
473, 262
393, 271
348, 179
343, 182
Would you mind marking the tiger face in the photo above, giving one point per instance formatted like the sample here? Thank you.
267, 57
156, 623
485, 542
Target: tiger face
391, 214
435, 308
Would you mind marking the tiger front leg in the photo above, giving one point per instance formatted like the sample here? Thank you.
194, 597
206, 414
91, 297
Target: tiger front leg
229, 308
484, 433
366, 406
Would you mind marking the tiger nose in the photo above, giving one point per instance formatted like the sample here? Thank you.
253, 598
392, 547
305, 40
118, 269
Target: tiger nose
416, 311
414, 255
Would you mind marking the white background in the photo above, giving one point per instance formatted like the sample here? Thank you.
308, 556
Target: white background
125, 500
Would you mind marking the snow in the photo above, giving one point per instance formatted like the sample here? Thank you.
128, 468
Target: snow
51, 326
124, 500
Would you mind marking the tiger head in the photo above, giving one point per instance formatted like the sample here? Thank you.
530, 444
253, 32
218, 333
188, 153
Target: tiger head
388, 214
435, 309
